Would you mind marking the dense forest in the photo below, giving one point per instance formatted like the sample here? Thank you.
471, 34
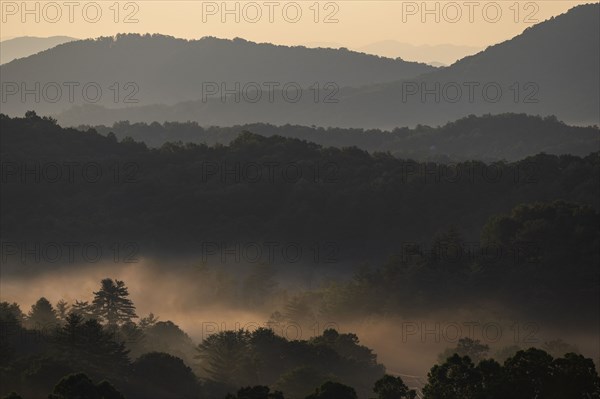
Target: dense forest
508, 137
496, 228
97, 351
91, 187
518, 239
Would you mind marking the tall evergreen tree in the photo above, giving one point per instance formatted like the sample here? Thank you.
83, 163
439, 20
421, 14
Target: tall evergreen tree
89, 347
42, 315
62, 310
227, 357
83, 309
112, 304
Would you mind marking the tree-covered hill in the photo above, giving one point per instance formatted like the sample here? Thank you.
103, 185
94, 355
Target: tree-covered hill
489, 137
64, 183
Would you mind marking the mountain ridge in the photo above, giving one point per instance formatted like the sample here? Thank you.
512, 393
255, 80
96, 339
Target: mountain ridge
557, 63
168, 70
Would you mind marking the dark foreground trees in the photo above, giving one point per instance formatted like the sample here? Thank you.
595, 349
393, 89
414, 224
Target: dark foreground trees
67, 362
333, 390
79, 386
390, 387
82, 349
162, 375
243, 358
529, 374
256, 392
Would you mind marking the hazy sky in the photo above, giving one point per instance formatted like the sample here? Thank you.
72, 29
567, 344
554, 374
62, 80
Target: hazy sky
349, 23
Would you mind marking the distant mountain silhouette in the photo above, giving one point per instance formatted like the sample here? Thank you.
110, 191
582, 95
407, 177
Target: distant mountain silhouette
436, 55
441, 54
167, 70
25, 46
549, 69
437, 64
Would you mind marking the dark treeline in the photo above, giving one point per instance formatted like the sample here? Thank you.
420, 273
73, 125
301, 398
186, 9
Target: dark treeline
98, 351
444, 234
489, 137
258, 188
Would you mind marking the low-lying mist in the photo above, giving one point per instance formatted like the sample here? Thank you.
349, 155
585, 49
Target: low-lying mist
207, 297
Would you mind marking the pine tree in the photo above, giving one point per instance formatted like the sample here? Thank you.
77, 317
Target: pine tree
112, 304
62, 310
91, 348
83, 309
42, 315
148, 321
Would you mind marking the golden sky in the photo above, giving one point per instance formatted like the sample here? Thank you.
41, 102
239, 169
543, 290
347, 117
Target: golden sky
348, 23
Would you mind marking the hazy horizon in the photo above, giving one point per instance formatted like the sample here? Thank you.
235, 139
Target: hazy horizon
438, 55
154, 17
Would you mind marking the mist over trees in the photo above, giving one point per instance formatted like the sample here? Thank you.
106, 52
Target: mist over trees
497, 228
74, 353
78, 358
545, 252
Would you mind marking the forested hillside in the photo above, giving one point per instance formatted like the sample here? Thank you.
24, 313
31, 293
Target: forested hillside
510, 137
